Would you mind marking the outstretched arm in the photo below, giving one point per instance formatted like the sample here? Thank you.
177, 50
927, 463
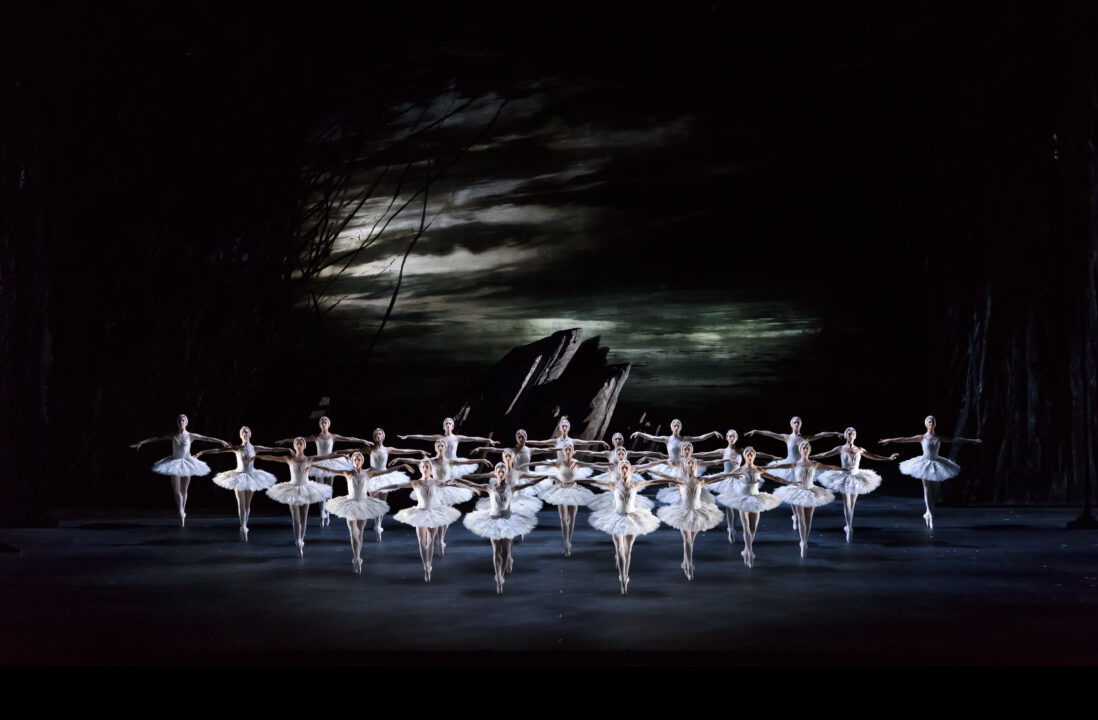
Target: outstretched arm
646, 436
287, 441
871, 456
699, 438
823, 466
474, 438
817, 436
833, 451
961, 440
207, 438
775, 478
766, 433
346, 438
420, 437
216, 451
137, 445
912, 439
274, 458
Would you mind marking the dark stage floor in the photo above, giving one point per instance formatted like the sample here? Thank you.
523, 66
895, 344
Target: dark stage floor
998, 586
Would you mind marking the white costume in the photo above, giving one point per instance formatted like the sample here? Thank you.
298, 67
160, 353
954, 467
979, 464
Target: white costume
246, 476
181, 462
928, 466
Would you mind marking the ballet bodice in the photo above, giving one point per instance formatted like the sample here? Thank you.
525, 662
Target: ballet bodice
522, 456
805, 474
792, 447
567, 475
931, 445
851, 459
733, 460
181, 446
560, 444
299, 471
379, 458
499, 500
324, 446
625, 498
443, 468
357, 484
245, 459
691, 493
451, 446
427, 494
749, 483
674, 449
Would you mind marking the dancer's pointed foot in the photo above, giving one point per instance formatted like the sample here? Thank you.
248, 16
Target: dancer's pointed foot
567, 549
510, 564
794, 522
300, 548
182, 519
804, 549
929, 519
731, 535
849, 532
377, 532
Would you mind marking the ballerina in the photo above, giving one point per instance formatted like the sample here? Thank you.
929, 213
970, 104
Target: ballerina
380, 476
565, 493
501, 520
358, 506
803, 494
449, 438
743, 495
852, 480
671, 495
300, 492
696, 510
429, 514
445, 469
929, 467
325, 440
527, 502
618, 455
792, 442
733, 460
180, 466
246, 479
520, 456
674, 442
564, 426
624, 521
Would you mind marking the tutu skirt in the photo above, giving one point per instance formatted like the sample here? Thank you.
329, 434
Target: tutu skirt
748, 502
525, 504
306, 493
378, 482
934, 469
428, 517
367, 508
340, 463
638, 522
481, 522
850, 482
448, 495
567, 495
691, 519
237, 480
804, 497
183, 467
605, 501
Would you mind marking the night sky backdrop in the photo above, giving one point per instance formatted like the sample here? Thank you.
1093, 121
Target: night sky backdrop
859, 215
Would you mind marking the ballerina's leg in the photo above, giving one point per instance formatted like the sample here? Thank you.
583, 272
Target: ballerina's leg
179, 488
627, 556
688, 551
619, 560
848, 511
426, 537
929, 492
749, 521
377, 521
508, 559
730, 516
497, 564
570, 512
324, 519
440, 536
562, 512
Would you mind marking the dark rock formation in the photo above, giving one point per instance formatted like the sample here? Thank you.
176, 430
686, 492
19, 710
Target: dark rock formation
533, 385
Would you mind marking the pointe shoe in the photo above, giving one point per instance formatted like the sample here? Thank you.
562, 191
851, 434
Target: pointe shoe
929, 519
849, 532
731, 535
182, 519
441, 549
427, 574
244, 534
794, 522
804, 549
377, 532
510, 564
300, 548
567, 549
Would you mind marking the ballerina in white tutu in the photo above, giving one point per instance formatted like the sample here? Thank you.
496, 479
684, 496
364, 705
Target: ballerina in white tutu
930, 467
358, 506
246, 479
852, 480
733, 460
501, 519
180, 466
449, 439
448, 468
565, 492
676, 468
325, 441
743, 495
380, 476
803, 494
300, 492
429, 514
624, 521
695, 512
792, 442
605, 500
674, 442
526, 495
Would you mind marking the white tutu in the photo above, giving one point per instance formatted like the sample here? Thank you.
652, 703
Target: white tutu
378, 482
253, 480
567, 495
691, 519
850, 482
448, 495
605, 501
804, 497
289, 493
183, 467
934, 469
481, 522
347, 507
457, 471
754, 503
428, 517
340, 463
525, 504
638, 522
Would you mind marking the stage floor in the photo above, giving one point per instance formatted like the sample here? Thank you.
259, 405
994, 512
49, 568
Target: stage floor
999, 586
